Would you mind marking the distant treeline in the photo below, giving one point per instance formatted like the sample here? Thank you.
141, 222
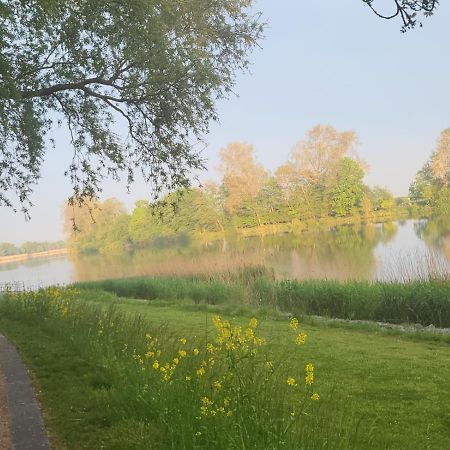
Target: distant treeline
322, 182
8, 249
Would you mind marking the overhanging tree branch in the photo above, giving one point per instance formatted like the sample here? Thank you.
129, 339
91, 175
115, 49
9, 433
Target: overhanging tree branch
408, 10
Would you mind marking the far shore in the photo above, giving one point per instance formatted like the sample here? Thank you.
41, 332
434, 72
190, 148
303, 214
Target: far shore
25, 256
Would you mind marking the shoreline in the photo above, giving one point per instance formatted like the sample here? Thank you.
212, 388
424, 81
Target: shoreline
27, 256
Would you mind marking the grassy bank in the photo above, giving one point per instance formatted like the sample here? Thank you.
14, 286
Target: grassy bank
426, 302
92, 360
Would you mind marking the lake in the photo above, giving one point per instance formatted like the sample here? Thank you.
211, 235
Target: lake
388, 251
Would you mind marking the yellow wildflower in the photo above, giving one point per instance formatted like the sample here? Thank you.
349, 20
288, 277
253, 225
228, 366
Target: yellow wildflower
217, 322
196, 351
182, 353
176, 361
183, 341
200, 372
259, 341
300, 339
210, 348
253, 323
249, 333
269, 364
217, 385
206, 401
291, 381
309, 378
315, 396
149, 355
294, 323
155, 364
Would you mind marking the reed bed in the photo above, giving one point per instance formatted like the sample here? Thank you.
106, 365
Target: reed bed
421, 301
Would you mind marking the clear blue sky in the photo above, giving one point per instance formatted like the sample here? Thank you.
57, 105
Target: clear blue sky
325, 61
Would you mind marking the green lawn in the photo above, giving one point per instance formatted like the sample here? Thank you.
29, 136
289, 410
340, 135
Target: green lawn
378, 391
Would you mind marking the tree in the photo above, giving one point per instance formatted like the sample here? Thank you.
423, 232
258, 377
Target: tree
142, 227
423, 187
311, 173
95, 220
243, 177
381, 198
434, 176
317, 157
407, 10
156, 66
8, 249
440, 161
349, 189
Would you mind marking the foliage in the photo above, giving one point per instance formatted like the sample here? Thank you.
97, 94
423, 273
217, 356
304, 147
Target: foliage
347, 193
432, 181
407, 10
8, 249
99, 227
156, 67
321, 182
243, 177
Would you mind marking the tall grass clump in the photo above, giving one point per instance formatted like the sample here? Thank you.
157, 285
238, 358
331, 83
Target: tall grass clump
159, 390
423, 301
169, 288
419, 301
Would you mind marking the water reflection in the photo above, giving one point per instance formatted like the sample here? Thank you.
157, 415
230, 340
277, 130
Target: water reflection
38, 272
395, 250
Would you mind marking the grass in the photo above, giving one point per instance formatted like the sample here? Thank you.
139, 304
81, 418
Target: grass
426, 302
377, 390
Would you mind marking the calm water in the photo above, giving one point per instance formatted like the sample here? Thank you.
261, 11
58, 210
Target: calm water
394, 250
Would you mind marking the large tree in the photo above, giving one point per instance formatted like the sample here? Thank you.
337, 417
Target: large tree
158, 66
243, 176
431, 185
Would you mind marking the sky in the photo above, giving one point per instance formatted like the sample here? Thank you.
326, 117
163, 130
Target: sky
321, 62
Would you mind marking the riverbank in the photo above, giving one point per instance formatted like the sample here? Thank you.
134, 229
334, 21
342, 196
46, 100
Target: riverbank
424, 302
27, 256
103, 364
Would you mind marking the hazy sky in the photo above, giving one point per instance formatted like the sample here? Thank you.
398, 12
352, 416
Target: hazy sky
325, 61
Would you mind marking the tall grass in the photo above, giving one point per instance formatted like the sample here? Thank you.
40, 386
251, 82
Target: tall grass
154, 389
425, 301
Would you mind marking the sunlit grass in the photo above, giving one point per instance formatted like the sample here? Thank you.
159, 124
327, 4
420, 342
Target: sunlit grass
101, 387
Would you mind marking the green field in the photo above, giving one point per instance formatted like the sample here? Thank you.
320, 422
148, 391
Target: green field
377, 390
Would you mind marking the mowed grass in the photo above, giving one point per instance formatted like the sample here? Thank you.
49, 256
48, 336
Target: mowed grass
377, 391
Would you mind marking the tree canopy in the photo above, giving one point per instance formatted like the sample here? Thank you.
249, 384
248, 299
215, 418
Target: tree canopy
431, 186
157, 66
